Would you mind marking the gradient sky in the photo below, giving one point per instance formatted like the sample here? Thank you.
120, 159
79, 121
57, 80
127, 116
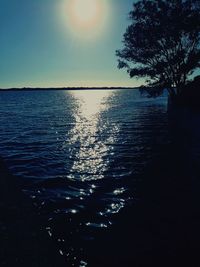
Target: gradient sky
39, 48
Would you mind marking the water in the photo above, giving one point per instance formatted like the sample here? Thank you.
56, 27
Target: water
79, 156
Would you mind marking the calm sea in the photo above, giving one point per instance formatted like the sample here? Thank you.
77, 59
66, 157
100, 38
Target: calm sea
79, 156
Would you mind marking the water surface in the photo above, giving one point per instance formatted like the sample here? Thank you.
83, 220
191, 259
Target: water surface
80, 155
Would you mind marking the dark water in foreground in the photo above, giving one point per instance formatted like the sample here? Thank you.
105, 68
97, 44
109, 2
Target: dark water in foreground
81, 157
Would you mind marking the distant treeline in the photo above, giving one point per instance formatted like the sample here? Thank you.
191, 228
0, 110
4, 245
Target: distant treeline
63, 88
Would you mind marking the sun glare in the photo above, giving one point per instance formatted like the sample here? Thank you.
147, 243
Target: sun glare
85, 18
85, 11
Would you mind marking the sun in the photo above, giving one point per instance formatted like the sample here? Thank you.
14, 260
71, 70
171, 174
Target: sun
85, 12
85, 18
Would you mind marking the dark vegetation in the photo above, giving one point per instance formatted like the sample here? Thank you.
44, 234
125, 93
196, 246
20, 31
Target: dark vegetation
190, 94
162, 45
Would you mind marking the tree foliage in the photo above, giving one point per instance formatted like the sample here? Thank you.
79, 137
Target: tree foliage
162, 44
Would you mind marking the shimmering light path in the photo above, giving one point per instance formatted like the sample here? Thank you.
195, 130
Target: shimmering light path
87, 150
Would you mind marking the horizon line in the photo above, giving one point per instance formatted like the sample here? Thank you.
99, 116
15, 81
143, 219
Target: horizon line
68, 88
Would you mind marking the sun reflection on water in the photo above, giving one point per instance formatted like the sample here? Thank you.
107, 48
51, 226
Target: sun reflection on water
87, 151
91, 103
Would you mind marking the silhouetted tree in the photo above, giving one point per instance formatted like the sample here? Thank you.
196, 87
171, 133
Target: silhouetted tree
162, 44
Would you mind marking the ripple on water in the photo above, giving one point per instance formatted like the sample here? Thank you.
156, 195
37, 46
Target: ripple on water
80, 154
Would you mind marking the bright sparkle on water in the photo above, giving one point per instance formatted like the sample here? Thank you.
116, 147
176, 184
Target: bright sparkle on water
86, 150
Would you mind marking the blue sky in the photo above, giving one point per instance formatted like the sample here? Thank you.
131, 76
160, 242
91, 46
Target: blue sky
38, 47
